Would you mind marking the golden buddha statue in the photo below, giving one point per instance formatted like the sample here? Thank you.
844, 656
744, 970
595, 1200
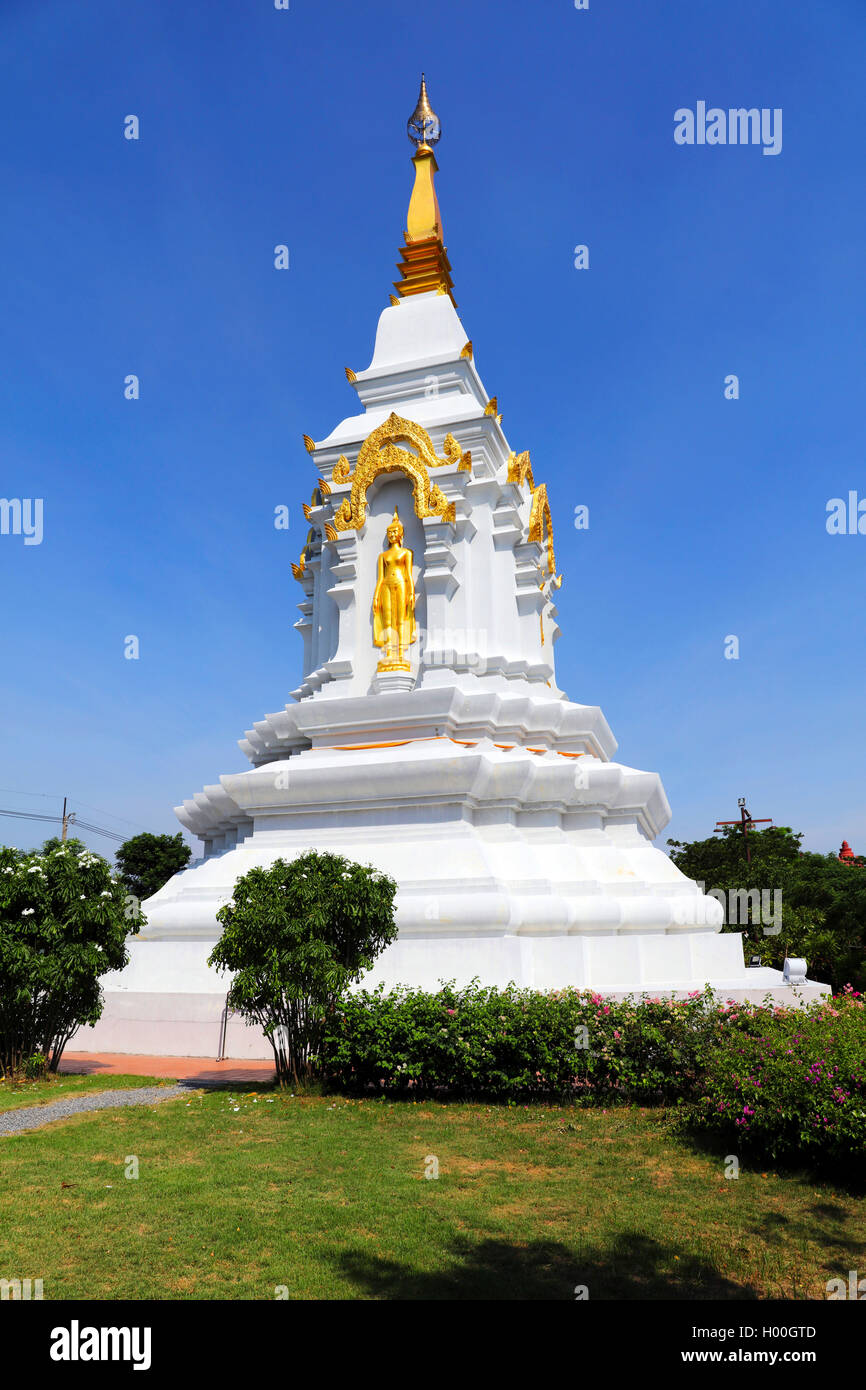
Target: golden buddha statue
394, 600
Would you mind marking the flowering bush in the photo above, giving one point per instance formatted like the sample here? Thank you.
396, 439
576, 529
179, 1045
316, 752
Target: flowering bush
787, 1083
63, 923
515, 1043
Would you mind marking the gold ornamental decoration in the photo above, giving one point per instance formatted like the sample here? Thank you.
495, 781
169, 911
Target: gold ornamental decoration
454, 454
381, 452
520, 470
541, 525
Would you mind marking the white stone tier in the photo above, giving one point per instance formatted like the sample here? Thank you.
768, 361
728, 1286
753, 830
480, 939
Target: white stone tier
169, 1003
528, 830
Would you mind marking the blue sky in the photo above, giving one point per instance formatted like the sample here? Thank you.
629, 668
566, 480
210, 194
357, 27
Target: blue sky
258, 127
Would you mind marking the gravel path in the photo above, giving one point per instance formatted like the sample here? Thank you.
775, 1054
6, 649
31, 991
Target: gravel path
35, 1116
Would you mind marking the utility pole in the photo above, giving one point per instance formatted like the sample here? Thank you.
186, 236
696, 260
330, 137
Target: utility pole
67, 820
745, 821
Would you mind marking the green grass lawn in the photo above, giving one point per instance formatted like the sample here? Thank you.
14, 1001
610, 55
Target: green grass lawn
240, 1193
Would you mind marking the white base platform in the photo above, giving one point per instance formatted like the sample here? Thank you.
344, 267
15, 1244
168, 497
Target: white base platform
148, 1015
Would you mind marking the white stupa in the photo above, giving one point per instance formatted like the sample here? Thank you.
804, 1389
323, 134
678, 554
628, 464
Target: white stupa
446, 756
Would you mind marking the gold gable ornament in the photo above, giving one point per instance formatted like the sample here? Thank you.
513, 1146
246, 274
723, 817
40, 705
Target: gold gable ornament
380, 453
541, 528
520, 470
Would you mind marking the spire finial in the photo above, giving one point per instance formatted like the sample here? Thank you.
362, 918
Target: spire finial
423, 126
424, 266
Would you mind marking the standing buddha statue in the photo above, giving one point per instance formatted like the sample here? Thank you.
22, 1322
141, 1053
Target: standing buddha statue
394, 600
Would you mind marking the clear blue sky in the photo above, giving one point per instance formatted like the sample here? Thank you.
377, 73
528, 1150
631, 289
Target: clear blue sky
707, 516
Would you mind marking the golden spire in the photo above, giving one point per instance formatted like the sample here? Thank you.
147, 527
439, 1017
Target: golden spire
424, 265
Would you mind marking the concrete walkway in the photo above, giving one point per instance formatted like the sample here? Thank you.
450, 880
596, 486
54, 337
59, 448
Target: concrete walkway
35, 1116
192, 1069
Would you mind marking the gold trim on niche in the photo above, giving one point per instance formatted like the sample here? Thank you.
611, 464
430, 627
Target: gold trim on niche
380, 453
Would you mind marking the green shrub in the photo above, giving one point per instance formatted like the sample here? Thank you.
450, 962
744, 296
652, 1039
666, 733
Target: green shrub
514, 1044
35, 1067
296, 935
786, 1084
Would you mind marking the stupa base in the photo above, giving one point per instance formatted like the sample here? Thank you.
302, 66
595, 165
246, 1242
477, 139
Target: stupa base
149, 1017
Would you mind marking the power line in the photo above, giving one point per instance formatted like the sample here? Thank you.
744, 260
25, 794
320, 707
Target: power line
110, 814
50, 796
98, 830
72, 819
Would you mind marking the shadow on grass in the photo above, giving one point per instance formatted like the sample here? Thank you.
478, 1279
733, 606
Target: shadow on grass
634, 1267
774, 1229
847, 1177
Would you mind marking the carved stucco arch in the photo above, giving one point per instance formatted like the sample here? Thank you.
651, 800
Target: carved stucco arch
381, 453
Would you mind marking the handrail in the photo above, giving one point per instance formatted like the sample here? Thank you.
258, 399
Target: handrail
224, 1019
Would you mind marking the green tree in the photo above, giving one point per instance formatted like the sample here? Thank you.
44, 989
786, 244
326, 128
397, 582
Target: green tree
146, 862
823, 902
64, 919
295, 936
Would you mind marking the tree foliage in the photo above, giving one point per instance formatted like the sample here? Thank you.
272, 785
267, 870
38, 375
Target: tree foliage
823, 917
146, 862
295, 936
64, 919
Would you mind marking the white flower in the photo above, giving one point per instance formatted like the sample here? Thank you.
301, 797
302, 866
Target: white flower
8, 871
82, 895
105, 893
28, 912
34, 869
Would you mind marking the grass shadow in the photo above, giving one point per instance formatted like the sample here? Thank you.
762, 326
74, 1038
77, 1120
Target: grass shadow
634, 1267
